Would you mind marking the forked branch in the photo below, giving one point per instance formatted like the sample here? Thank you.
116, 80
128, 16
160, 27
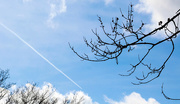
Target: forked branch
125, 36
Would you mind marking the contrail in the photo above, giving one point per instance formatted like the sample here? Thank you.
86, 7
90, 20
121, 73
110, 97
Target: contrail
39, 53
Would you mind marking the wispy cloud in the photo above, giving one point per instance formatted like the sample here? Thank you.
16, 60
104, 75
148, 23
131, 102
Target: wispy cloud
133, 98
56, 8
26, 1
63, 6
108, 1
160, 10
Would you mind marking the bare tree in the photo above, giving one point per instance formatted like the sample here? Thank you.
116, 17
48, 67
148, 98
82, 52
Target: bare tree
4, 75
124, 36
74, 100
30, 94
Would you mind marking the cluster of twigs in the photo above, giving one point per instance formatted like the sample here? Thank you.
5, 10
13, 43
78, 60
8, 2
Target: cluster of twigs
119, 41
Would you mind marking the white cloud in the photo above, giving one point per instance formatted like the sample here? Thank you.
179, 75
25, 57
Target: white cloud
160, 10
26, 1
56, 8
70, 95
133, 98
87, 99
108, 1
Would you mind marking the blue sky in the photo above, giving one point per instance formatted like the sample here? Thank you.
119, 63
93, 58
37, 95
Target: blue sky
48, 26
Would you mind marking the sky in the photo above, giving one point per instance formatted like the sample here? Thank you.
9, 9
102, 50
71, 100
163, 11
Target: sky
48, 26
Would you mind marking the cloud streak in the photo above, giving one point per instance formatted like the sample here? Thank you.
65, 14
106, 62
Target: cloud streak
39, 54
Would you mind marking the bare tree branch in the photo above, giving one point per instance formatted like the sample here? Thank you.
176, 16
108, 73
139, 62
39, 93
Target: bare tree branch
125, 36
166, 95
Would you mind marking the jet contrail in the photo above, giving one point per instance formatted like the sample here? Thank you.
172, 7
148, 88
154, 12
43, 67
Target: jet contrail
38, 53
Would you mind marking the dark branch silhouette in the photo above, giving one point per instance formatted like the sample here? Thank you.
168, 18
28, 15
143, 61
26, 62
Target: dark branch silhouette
166, 95
125, 36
